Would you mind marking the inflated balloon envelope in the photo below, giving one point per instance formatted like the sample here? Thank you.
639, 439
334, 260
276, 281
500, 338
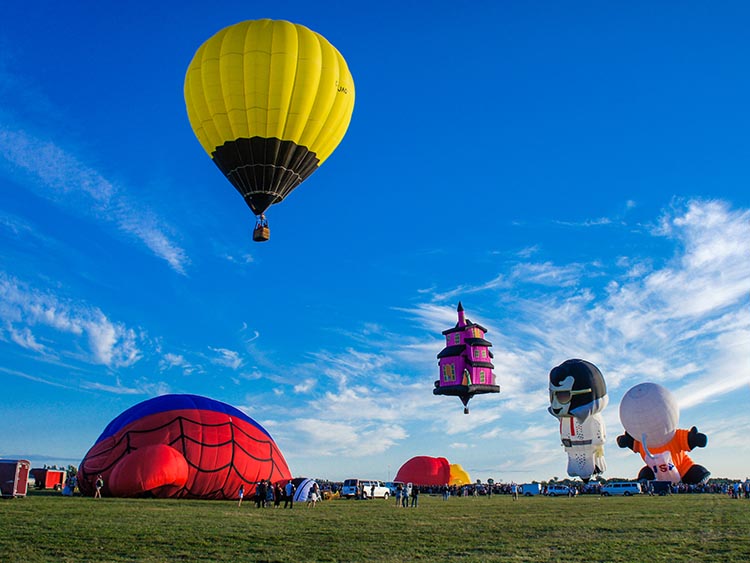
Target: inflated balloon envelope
269, 102
182, 446
432, 471
650, 416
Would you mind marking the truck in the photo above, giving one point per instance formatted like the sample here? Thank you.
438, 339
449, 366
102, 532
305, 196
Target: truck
530, 489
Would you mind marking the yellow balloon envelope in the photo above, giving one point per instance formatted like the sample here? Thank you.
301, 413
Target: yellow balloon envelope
459, 476
269, 101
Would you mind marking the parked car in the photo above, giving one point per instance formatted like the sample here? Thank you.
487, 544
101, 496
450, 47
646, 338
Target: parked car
352, 486
624, 488
558, 490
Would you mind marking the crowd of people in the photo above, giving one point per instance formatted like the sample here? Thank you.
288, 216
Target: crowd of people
268, 494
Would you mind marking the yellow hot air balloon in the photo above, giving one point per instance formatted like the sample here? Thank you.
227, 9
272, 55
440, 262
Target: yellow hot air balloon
269, 101
459, 476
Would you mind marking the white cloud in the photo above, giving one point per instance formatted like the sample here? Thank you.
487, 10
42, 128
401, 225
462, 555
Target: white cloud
24, 338
241, 259
682, 321
35, 378
60, 176
495, 283
433, 318
141, 388
304, 386
331, 439
22, 307
547, 274
178, 361
227, 358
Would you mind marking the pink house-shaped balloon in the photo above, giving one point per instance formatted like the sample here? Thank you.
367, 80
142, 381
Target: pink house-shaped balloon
465, 362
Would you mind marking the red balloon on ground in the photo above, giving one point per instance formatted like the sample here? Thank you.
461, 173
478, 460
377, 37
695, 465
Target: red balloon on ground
425, 470
181, 446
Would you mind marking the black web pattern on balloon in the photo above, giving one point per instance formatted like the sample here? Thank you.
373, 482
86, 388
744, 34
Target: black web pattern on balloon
129, 441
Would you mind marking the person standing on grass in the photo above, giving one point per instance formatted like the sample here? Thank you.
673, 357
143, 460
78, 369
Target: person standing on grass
99, 486
399, 490
312, 496
289, 495
261, 491
414, 496
241, 494
277, 494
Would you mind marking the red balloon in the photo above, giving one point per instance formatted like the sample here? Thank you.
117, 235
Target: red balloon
151, 468
425, 470
182, 446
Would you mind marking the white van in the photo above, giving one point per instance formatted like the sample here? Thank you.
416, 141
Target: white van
621, 489
350, 487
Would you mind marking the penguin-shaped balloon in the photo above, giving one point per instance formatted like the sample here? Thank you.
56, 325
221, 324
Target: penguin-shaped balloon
578, 394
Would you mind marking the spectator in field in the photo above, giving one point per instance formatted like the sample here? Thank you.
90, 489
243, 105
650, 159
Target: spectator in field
241, 494
372, 491
289, 495
277, 494
414, 496
399, 492
99, 486
446, 492
261, 491
312, 496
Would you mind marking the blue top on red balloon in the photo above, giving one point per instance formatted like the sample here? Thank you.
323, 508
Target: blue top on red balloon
165, 403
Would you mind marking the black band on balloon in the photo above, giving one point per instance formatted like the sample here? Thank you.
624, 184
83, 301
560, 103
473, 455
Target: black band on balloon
264, 170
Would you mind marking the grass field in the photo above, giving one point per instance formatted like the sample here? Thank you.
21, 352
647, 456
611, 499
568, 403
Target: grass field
46, 527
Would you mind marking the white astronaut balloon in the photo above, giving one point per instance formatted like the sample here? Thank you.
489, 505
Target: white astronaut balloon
650, 415
650, 409
578, 394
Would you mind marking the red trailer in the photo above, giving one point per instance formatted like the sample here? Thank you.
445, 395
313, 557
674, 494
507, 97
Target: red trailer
14, 477
48, 478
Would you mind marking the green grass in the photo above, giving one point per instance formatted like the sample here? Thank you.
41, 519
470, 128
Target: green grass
45, 527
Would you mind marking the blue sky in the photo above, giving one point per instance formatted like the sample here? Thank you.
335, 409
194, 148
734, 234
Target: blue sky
575, 173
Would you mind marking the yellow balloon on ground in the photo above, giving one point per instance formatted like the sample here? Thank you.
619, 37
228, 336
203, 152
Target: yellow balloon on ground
458, 475
269, 101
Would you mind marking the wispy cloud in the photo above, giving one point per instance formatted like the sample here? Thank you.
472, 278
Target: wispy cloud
331, 439
240, 259
35, 378
547, 274
177, 361
225, 357
59, 176
141, 388
23, 308
495, 283
679, 321
599, 221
